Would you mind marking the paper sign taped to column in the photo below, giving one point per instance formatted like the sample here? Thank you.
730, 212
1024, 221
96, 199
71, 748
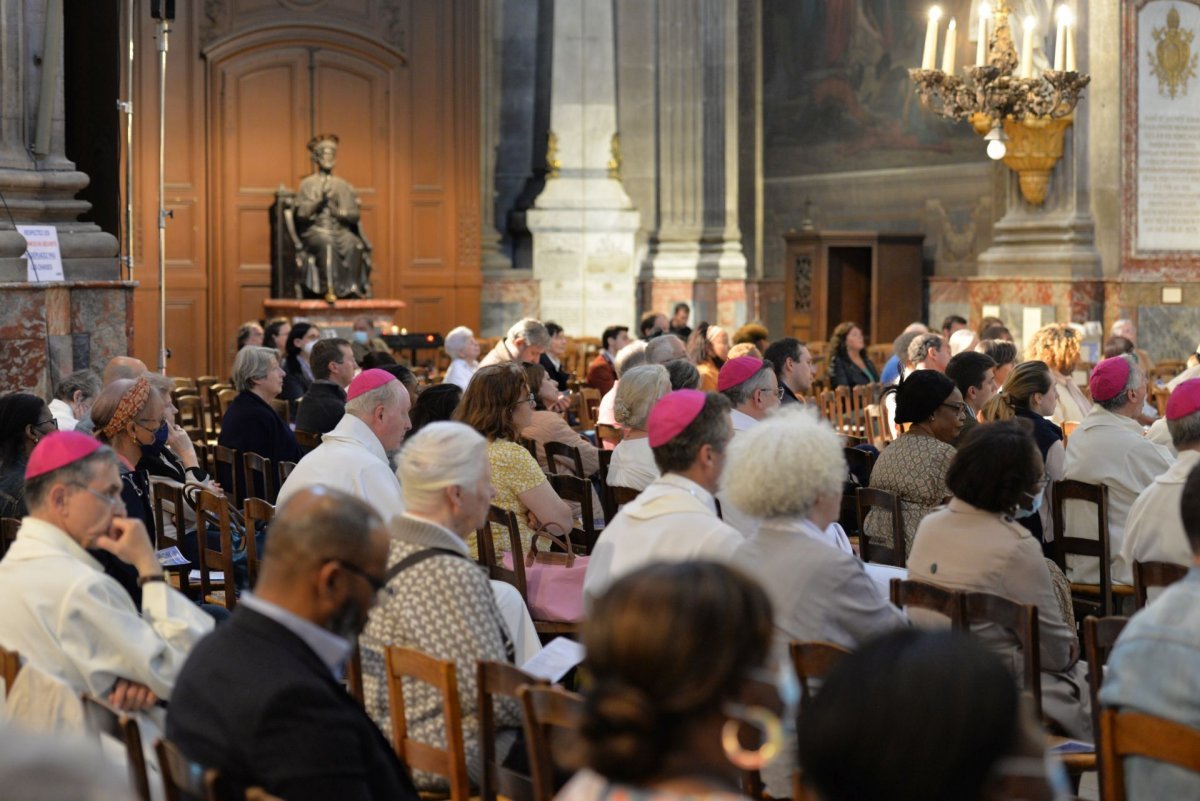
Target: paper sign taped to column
43, 258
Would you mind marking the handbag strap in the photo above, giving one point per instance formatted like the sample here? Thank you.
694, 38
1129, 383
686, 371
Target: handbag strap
563, 541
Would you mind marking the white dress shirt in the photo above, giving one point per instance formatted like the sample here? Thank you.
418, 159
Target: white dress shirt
632, 464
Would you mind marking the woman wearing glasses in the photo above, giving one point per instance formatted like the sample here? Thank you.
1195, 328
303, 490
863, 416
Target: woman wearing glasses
913, 468
977, 544
499, 405
24, 420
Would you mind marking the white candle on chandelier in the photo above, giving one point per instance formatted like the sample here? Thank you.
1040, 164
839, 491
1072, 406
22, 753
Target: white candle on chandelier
981, 48
951, 49
1026, 70
929, 59
1069, 66
1060, 38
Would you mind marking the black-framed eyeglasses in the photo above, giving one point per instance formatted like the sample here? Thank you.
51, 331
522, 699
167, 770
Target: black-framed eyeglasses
114, 501
961, 408
50, 422
379, 586
531, 400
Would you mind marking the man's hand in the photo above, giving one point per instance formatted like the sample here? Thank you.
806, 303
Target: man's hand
129, 696
128, 541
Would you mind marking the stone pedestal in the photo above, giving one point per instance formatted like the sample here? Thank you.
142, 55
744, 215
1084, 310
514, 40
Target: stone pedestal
338, 316
583, 222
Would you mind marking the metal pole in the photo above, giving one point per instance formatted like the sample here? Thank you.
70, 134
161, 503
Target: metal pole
163, 213
126, 106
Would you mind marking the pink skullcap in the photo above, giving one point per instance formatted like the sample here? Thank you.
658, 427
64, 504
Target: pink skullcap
735, 371
60, 449
1109, 378
674, 412
1184, 400
368, 380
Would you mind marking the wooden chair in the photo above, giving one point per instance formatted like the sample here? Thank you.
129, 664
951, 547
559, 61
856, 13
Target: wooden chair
491, 559
1126, 733
102, 719
283, 409
168, 504
189, 412
1099, 636
499, 679
813, 661
586, 407
949, 603
10, 666
828, 407
285, 470
1097, 597
573, 489
1021, 620
259, 476
307, 439
226, 470
547, 710
212, 509
529, 445
860, 461
183, 779
608, 433
868, 498
876, 426
225, 397
1154, 574
254, 512
606, 499
450, 761
622, 496
9, 526
558, 453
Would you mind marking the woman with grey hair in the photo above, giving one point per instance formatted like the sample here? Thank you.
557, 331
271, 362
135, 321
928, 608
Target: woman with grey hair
463, 350
632, 462
250, 425
73, 398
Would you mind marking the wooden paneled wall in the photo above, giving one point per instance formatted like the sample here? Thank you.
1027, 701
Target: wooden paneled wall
248, 82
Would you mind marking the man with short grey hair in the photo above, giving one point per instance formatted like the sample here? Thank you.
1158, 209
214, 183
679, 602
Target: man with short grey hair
526, 342
118, 367
73, 399
665, 348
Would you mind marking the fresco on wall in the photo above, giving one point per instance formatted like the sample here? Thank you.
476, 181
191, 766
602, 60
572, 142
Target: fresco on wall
836, 91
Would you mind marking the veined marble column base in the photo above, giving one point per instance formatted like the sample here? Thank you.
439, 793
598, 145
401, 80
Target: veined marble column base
1042, 247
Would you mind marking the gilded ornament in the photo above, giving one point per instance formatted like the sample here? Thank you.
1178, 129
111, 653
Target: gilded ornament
1172, 60
614, 163
553, 163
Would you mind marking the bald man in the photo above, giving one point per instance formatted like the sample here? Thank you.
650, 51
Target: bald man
118, 367
284, 722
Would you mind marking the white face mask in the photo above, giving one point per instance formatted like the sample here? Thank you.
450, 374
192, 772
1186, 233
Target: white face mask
308, 346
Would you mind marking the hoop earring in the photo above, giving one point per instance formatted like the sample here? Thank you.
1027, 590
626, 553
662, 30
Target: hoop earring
760, 718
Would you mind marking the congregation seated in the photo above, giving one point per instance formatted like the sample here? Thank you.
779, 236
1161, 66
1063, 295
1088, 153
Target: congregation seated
548, 425
435, 404
629, 357
975, 375
793, 367
73, 396
675, 518
744, 349
754, 334
913, 468
975, 739
1030, 393
260, 698
275, 335
298, 374
661, 696
1152, 667
526, 341
665, 349
249, 335
683, 374
552, 359
1108, 448
1154, 530
355, 456
752, 389
849, 364
602, 371
365, 340
117, 368
818, 587
442, 604
499, 405
708, 348
324, 403
463, 349
24, 421
250, 424
1058, 346
651, 325
632, 464
963, 340
57, 606
975, 544
1003, 353
898, 361
928, 352
172, 455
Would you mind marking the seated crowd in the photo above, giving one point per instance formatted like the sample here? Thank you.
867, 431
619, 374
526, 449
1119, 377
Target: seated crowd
753, 501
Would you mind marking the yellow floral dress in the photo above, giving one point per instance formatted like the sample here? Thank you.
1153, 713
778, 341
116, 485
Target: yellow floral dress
514, 471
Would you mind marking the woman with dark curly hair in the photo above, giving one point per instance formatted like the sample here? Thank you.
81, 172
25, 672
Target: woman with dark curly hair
664, 707
849, 364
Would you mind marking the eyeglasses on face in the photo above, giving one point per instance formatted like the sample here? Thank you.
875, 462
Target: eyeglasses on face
113, 501
52, 422
960, 408
378, 586
531, 400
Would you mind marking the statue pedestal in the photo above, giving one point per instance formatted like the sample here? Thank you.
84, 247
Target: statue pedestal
339, 315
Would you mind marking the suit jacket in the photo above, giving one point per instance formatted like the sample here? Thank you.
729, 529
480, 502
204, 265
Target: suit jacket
601, 374
558, 375
255, 702
322, 407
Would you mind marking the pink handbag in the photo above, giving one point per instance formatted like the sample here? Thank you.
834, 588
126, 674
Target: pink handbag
553, 581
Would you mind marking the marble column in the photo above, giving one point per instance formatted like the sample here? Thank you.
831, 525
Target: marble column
698, 237
583, 222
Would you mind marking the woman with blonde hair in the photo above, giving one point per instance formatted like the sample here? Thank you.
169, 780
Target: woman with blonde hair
632, 462
708, 348
1058, 346
1031, 393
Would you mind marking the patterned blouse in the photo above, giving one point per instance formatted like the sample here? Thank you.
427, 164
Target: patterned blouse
514, 470
913, 468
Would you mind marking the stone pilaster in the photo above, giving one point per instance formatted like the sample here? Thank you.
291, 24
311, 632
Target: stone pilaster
491, 45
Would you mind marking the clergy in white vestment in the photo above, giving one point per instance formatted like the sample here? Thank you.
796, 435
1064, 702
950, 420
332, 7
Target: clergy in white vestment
1109, 448
355, 456
1154, 531
675, 518
60, 610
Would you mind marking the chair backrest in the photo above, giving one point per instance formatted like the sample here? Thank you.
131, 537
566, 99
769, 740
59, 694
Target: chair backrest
10, 666
812, 661
103, 719
490, 558
499, 679
547, 709
609, 433
860, 461
307, 439
183, 779
560, 456
259, 477
606, 499
1125, 734
1070, 490
573, 489
1099, 636
1021, 620
868, 498
190, 411
285, 470
623, 495
225, 397
587, 407
8, 533
450, 761
255, 511
910, 592
283, 409
227, 471
1154, 574
212, 509
875, 424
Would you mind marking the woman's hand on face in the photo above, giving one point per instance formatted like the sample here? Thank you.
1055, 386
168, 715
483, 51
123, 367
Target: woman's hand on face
178, 439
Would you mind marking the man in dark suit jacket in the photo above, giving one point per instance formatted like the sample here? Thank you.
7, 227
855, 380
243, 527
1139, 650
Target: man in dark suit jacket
259, 699
324, 404
601, 373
